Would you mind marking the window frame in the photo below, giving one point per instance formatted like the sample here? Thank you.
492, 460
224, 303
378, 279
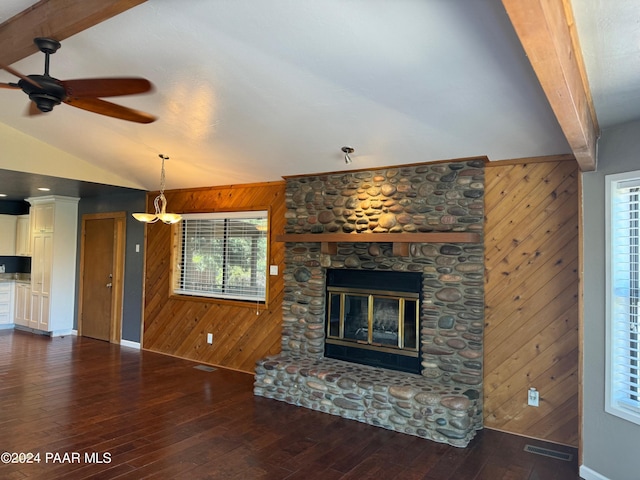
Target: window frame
615, 404
176, 258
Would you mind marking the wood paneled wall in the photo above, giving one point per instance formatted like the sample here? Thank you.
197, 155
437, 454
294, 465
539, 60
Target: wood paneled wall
179, 325
531, 335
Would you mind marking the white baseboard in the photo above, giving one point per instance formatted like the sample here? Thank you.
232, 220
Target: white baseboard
588, 474
130, 344
7, 326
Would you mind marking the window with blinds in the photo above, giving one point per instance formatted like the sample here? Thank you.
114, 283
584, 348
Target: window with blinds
623, 295
222, 255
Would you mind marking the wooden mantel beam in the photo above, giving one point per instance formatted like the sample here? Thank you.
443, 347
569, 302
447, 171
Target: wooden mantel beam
58, 19
547, 32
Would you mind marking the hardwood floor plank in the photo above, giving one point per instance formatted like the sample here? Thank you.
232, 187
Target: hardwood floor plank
157, 417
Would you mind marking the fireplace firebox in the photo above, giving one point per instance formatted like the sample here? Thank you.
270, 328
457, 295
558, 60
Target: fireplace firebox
373, 318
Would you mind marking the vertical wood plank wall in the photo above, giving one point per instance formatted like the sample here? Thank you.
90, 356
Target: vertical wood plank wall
531, 334
179, 326
531, 338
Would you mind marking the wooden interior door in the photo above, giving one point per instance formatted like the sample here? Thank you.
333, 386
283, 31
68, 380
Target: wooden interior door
97, 279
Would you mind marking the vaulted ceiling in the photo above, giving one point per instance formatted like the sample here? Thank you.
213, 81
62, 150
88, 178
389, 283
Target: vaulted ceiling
249, 91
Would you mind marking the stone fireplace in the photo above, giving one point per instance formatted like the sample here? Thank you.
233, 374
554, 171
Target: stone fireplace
422, 221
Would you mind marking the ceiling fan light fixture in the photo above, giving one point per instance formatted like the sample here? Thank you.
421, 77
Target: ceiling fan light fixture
160, 204
44, 102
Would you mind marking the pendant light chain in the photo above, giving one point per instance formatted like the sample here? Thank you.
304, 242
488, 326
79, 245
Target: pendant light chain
162, 174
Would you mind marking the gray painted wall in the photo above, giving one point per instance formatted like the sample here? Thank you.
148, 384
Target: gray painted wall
134, 262
610, 443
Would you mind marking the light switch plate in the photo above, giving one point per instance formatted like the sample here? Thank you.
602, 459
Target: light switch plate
273, 269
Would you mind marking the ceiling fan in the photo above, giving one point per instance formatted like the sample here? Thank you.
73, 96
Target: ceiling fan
45, 91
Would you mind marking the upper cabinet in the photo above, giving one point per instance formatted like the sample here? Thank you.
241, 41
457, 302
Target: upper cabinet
23, 236
8, 235
42, 216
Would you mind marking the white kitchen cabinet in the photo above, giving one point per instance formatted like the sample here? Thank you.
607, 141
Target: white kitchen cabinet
42, 215
54, 227
6, 302
41, 270
23, 236
22, 306
8, 235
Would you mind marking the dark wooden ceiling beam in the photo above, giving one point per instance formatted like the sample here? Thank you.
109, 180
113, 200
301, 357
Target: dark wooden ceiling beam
57, 19
547, 32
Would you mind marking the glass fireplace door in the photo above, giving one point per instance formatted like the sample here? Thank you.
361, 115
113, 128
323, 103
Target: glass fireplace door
374, 319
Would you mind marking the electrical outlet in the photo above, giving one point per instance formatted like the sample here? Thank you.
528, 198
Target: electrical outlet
533, 399
210, 338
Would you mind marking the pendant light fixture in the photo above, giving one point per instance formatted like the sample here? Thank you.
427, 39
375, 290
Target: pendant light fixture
160, 204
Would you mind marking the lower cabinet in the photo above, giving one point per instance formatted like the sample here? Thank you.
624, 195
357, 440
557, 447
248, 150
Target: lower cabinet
23, 304
6, 303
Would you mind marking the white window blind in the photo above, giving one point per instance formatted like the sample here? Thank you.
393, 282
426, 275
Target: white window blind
623, 295
222, 255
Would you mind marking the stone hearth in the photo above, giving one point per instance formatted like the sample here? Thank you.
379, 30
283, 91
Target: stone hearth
444, 403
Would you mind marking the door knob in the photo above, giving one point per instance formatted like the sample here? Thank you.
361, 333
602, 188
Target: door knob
109, 285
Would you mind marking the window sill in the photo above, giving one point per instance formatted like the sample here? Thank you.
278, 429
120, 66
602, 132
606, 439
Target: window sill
258, 306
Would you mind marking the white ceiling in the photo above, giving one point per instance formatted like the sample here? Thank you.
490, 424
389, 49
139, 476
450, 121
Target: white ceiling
251, 90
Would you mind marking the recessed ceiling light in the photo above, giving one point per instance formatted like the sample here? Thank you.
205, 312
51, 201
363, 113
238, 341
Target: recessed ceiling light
44, 189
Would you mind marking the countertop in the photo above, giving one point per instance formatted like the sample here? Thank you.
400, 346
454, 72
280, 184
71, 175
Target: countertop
15, 277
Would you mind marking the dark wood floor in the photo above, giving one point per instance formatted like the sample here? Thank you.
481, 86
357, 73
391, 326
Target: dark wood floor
146, 415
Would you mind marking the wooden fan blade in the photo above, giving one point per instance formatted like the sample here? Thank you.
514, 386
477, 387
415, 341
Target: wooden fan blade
106, 87
33, 110
19, 75
109, 109
12, 86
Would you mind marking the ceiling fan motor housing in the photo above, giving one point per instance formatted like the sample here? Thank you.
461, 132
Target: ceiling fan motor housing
50, 93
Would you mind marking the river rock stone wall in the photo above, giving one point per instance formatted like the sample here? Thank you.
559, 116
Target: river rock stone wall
451, 314
419, 198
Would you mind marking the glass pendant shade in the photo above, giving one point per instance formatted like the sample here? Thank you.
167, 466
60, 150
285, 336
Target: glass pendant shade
145, 217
